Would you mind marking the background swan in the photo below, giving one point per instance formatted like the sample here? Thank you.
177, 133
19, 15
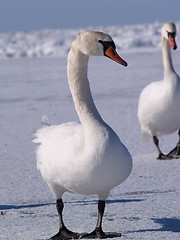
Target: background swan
158, 109
86, 158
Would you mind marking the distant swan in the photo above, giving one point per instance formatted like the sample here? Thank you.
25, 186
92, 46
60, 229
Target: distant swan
159, 102
86, 158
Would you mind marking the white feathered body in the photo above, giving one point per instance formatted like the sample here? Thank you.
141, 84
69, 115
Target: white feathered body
159, 107
69, 161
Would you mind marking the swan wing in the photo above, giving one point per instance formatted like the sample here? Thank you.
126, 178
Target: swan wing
59, 148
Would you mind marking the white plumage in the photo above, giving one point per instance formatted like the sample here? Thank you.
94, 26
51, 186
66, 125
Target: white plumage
85, 158
158, 109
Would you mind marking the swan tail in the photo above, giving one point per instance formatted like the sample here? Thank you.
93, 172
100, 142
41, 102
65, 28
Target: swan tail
145, 135
45, 121
39, 135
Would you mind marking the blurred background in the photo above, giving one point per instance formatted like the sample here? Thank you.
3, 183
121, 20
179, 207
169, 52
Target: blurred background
24, 15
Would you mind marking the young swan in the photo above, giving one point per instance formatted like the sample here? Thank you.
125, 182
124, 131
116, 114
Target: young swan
158, 109
86, 158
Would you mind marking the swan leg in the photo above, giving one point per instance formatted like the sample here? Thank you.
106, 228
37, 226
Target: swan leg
161, 155
175, 152
63, 233
98, 232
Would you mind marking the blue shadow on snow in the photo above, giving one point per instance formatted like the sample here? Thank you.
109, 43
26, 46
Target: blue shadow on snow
167, 225
9, 207
109, 201
78, 202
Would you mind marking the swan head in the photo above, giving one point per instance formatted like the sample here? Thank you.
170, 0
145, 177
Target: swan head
169, 33
98, 44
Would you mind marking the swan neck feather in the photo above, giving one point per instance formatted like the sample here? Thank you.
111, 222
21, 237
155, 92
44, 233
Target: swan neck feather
167, 60
79, 85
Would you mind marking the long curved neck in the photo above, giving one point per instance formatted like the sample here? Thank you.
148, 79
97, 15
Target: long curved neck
167, 60
79, 86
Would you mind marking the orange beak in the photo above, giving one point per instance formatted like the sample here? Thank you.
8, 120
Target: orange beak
172, 42
112, 54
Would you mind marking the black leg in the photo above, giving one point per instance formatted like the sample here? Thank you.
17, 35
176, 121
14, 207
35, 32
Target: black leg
175, 152
59, 207
161, 155
101, 207
63, 233
98, 232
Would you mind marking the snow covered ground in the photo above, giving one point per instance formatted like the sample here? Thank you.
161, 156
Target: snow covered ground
147, 204
56, 43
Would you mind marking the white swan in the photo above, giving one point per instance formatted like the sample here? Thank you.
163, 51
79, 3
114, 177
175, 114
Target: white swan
159, 102
86, 158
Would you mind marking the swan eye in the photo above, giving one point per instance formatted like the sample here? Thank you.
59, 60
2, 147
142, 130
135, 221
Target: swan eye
170, 34
107, 44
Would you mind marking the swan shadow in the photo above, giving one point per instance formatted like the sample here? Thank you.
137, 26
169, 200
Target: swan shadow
167, 225
10, 207
109, 201
75, 203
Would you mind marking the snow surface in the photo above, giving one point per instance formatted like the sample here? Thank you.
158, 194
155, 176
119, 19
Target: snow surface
147, 204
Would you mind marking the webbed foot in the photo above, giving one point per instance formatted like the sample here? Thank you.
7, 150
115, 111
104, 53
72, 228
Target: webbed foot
164, 157
65, 233
175, 152
98, 233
